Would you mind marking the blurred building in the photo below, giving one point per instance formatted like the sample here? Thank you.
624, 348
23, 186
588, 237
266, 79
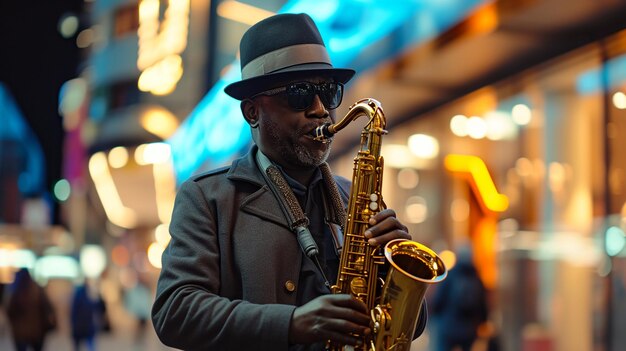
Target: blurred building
506, 124
503, 129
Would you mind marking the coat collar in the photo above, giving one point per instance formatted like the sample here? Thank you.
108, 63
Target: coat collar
245, 169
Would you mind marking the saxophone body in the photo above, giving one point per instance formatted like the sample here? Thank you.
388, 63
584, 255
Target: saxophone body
395, 304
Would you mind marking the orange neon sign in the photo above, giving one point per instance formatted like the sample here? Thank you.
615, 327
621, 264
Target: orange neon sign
480, 180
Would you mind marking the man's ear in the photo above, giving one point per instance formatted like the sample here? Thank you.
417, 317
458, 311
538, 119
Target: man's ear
250, 112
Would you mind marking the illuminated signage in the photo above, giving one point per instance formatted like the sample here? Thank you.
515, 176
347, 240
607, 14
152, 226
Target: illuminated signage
215, 130
160, 45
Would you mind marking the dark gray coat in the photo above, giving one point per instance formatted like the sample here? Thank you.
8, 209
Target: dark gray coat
230, 273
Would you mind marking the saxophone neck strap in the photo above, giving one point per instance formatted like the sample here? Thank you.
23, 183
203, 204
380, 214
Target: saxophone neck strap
283, 193
298, 222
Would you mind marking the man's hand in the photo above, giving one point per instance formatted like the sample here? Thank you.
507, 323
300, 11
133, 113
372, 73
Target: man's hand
330, 317
385, 227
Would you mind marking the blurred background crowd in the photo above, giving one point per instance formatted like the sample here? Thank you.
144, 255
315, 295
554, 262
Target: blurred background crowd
507, 125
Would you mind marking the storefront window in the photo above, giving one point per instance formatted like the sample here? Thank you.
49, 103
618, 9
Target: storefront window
552, 138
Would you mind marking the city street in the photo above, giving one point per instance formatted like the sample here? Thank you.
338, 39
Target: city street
114, 341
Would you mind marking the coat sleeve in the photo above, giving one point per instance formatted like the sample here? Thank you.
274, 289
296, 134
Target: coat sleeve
188, 312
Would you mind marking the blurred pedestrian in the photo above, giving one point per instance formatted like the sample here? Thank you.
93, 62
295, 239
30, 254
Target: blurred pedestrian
30, 312
138, 302
86, 317
459, 306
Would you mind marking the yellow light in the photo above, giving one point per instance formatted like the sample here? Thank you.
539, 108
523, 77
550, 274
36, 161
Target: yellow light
118, 157
161, 78
399, 156
499, 126
146, 154
240, 12
155, 251
480, 179
139, 152
458, 125
476, 127
521, 114
449, 258
159, 156
162, 235
423, 146
160, 45
619, 100
115, 210
159, 122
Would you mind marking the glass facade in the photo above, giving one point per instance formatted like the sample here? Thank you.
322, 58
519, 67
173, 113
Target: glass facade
552, 139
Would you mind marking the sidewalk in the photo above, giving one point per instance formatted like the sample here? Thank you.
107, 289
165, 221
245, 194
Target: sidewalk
114, 341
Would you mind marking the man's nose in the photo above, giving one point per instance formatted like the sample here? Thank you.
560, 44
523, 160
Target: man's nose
317, 109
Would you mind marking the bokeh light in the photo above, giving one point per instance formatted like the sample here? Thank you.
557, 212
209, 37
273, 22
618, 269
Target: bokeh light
68, 25
615, 240
92, 260
521, 114
62, 190
416, 209
423, 146
408, 178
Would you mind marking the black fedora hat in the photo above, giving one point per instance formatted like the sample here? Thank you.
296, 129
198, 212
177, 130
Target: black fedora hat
279, 47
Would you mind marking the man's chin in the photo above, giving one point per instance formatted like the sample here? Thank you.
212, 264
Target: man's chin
307, 158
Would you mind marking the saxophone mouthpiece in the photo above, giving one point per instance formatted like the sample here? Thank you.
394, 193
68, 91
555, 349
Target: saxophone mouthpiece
324, 133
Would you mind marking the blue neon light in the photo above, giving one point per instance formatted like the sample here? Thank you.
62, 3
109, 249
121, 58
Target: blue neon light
14, 129
592, 81
359, 34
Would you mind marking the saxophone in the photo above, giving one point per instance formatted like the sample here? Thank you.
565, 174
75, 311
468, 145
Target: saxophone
395, 307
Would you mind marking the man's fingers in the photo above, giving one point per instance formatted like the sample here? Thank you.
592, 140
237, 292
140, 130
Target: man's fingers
346, 300
380, 216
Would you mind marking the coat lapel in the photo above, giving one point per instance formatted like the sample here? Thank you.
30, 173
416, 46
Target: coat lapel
262, 202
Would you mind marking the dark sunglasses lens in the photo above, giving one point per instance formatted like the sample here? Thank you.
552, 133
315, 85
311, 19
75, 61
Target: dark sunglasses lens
300, 95
331, 95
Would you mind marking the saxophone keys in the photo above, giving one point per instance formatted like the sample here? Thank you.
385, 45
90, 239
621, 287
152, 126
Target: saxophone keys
373, 202
358, 286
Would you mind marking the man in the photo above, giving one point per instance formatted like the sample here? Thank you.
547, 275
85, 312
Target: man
235, 275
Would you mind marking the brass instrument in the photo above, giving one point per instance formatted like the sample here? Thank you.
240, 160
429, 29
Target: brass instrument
412, 266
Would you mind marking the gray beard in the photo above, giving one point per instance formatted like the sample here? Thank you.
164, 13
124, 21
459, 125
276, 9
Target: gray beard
308, 159
295, 152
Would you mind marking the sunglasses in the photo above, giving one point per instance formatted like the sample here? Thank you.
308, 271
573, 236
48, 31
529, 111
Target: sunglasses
301, 95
